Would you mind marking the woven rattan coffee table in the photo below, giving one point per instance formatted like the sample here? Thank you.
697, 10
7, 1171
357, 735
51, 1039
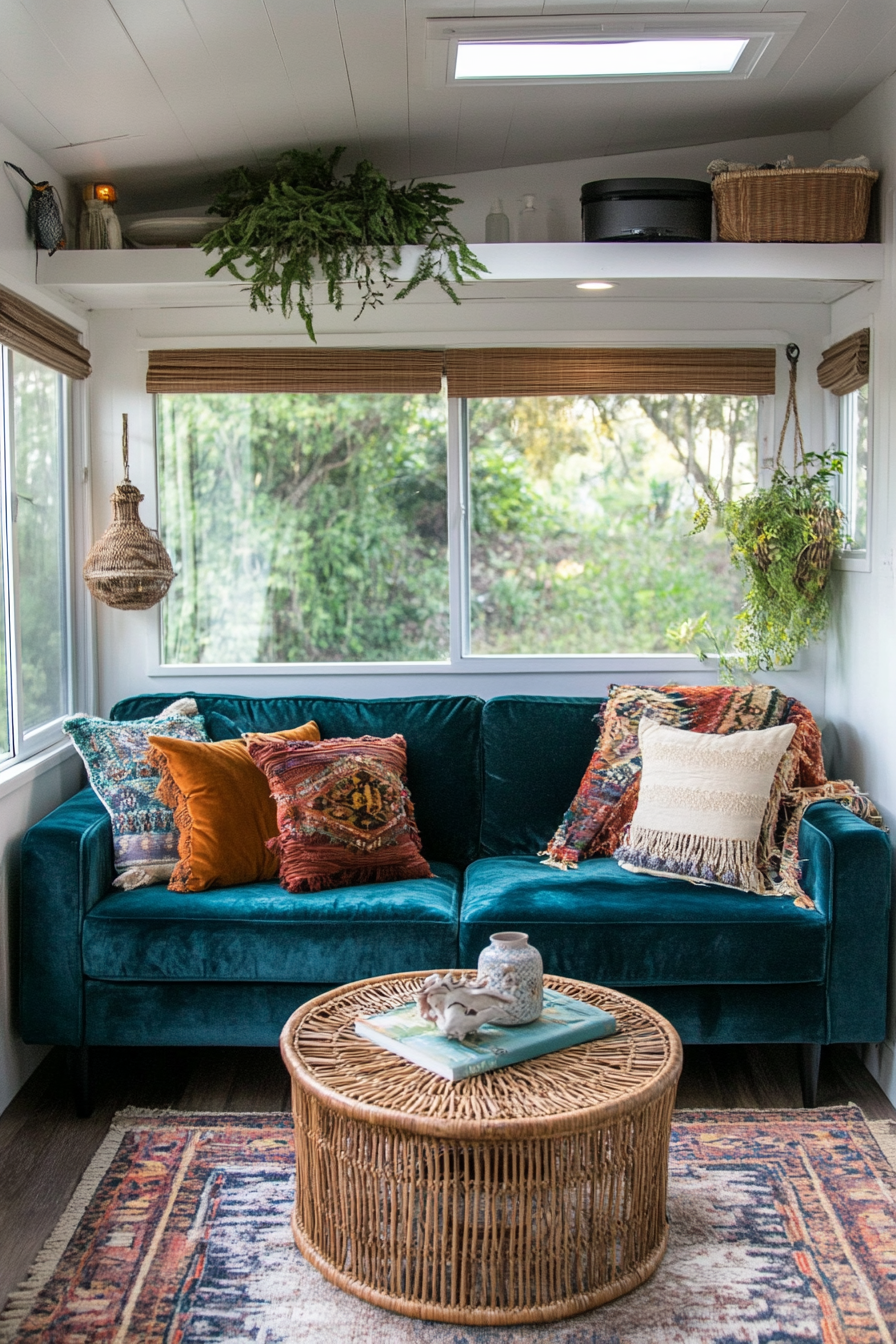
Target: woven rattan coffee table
527, 1194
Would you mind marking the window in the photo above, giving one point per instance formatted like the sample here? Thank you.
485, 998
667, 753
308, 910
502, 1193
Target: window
581, 509
574, 48
35, 596
853, 413
313, 528
844, 373
305, 528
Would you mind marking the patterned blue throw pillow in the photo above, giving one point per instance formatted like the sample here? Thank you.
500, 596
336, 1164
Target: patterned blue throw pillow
143, 831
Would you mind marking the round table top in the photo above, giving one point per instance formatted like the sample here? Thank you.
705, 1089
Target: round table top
565, 1092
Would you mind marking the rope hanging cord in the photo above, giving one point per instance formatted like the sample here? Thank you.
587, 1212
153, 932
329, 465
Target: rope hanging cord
799, 449
815, 559
128, 568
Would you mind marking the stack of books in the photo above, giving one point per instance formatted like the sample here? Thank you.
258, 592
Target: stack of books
564, 1021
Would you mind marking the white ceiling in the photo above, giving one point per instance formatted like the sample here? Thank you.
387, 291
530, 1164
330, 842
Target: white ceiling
160, 95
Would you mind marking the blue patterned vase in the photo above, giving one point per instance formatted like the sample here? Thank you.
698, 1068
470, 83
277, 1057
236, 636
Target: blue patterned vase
511, 965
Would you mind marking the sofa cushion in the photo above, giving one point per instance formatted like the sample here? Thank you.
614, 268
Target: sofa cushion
144, 835
344, 814
442, 736
223, 809
535, 750
600, 923
261, 932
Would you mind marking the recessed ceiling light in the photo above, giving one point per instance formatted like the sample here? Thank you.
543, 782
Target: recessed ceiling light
594, 284
595, 60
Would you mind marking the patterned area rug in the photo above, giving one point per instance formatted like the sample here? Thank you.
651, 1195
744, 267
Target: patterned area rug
783, 1227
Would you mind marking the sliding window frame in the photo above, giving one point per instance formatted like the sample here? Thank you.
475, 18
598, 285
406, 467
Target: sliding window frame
24, 745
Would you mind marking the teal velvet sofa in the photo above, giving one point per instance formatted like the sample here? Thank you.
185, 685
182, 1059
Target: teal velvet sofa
490, 781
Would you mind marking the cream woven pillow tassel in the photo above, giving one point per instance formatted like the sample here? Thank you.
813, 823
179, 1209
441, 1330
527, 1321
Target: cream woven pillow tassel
701, 803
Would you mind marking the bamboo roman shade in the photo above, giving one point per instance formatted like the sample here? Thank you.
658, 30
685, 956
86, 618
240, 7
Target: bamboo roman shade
29, 330
294, 371
844, 368
572, 372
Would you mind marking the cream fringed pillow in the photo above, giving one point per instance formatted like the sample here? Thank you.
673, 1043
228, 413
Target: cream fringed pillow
702, 802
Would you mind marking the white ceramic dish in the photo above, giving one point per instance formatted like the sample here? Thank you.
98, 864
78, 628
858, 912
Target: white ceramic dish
171, 232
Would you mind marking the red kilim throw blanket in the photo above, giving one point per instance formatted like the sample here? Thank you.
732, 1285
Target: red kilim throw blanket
608, 794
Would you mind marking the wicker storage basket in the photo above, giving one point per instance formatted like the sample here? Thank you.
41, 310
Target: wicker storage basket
793, 205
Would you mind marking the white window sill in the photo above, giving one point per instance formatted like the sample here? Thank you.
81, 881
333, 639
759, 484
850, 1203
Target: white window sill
17, 774
858, 562
500, 665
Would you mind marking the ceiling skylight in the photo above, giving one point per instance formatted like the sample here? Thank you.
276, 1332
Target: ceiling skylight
590, 60
604, 48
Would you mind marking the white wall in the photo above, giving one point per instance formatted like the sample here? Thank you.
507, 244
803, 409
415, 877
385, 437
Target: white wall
36, 790
860, 697
119, 340
557, 186
129, 641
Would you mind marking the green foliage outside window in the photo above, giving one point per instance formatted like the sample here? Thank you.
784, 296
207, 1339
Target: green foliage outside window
581, 509
304, 528
314, 528
42, 570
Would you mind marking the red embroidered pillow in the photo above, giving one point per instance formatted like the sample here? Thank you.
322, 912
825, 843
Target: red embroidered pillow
344, 814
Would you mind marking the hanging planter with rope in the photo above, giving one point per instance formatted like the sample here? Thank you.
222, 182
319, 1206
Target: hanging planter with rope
128, 567
783, 538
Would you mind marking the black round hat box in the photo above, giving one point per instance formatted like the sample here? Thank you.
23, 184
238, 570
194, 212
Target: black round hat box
646, 210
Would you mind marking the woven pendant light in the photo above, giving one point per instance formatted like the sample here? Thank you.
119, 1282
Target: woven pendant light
128, 567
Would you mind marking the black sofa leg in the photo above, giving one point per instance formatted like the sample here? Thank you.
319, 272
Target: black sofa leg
810, 1062
79, 1072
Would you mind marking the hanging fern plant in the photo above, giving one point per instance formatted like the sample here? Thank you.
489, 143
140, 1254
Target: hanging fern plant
301, 223
783, 539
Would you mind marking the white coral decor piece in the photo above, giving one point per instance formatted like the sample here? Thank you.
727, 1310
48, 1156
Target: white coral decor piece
458, 1007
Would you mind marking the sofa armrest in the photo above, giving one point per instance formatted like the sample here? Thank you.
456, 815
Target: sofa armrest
66, 868
848, 875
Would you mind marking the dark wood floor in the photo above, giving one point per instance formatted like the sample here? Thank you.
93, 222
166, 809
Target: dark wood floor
44, 1148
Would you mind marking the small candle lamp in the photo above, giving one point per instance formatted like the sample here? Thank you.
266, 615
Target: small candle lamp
99, 227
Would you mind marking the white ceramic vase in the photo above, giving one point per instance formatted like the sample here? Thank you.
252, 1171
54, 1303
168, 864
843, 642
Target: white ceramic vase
511, 966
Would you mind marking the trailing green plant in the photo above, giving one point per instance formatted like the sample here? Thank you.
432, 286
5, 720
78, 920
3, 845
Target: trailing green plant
301, 222
783, 538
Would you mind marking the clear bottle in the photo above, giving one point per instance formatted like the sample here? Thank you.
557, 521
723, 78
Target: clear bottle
497, 225
532, 229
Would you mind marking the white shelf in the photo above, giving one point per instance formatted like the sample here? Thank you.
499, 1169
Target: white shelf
773, 272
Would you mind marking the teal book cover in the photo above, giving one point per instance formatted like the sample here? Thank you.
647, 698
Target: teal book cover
563, 1022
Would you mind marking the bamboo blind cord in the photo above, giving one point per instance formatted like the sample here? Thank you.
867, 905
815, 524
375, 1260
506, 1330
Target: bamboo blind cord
799, 448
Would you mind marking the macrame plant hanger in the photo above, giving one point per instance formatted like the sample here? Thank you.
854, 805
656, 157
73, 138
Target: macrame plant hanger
799, 448
128, 567
815, 559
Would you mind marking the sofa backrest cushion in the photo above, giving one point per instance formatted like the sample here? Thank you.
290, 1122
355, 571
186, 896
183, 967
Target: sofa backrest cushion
535, 750
442, 733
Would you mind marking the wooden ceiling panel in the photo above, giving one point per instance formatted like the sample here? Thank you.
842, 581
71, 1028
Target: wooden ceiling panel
311, 50
374, 39
243, 51
32, 62
181, 65
200, 85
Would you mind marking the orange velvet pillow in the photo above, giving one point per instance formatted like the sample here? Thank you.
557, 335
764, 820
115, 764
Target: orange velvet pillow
222, 809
